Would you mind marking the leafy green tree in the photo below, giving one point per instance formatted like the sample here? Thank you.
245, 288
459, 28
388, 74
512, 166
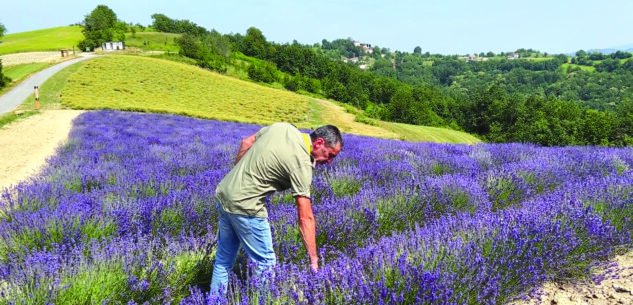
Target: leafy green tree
262, 72
625, 122
3, 79
293, 83
335, 90
101, 25
204, 53
401, 106
417, 51
163, 23
255, 44
312, 85
598, 127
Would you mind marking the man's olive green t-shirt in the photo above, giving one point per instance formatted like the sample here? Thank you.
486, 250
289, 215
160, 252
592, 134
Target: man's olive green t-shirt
278, 160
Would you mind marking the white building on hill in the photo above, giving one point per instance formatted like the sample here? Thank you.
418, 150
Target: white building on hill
113, 45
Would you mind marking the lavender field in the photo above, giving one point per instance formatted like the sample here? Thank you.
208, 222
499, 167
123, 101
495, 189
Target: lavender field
122, 214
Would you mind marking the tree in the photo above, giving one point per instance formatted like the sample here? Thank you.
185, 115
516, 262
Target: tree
598, 127
417, 51
255, 44
101, 25
3, 79
163, 23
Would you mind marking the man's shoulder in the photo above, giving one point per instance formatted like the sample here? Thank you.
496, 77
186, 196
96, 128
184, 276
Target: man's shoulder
284, 125
284, 129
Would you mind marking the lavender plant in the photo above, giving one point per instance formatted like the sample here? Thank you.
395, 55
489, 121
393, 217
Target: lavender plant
123, 214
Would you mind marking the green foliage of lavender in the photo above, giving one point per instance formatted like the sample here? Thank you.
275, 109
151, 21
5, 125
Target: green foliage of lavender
123, 214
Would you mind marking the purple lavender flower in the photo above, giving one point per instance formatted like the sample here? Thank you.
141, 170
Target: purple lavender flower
128, 198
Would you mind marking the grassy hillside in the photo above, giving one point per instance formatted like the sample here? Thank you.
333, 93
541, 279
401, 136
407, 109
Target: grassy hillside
585, 68
41, 40
155, 85
153, 41
19, 72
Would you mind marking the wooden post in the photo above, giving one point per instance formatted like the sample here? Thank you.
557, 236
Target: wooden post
37, 98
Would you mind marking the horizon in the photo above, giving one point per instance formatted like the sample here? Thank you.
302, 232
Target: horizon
563, 27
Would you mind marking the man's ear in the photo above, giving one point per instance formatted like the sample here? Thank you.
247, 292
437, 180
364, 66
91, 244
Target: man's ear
318, 143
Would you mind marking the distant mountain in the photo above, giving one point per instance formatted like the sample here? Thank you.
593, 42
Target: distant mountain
624, 48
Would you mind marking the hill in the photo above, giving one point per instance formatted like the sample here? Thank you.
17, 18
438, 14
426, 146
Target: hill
196, 92
623, 48
155, 85
51, 39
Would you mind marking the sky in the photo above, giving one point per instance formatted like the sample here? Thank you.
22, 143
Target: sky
437, 26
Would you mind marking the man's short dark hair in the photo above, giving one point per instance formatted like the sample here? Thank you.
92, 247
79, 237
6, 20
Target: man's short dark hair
330, 134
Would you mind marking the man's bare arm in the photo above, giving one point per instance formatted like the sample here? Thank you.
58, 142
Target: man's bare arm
244, 147
308, 229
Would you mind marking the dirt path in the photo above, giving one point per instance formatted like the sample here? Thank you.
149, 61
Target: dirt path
30, 57
336, 115
25, 144
609, 291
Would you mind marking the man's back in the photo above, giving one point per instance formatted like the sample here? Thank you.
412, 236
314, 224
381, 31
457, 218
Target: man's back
279, 159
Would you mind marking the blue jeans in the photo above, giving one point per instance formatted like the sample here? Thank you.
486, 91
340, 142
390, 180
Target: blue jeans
253, 233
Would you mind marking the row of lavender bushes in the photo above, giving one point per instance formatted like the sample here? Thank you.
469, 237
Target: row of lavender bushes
123, 215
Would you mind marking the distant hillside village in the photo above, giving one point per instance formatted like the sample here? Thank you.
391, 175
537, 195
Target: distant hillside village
475, 57
368, 49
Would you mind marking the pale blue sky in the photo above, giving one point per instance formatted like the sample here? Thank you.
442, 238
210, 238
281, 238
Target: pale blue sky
437, 26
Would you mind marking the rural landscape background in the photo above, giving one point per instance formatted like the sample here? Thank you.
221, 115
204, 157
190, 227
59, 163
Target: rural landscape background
465, 179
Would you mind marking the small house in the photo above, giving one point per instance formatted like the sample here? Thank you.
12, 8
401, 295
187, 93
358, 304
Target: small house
113, 45
514, 56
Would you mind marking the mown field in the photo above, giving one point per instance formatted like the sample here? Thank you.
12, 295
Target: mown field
123, 214
51, 39
155, 85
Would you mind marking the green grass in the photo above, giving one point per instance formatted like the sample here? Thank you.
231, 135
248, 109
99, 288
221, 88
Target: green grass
19, 72
585, 68
153, 41
153, 85
429, 134
13, 116
51, 39
537, 59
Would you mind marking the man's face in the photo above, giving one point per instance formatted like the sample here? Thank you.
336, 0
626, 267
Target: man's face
322, 153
